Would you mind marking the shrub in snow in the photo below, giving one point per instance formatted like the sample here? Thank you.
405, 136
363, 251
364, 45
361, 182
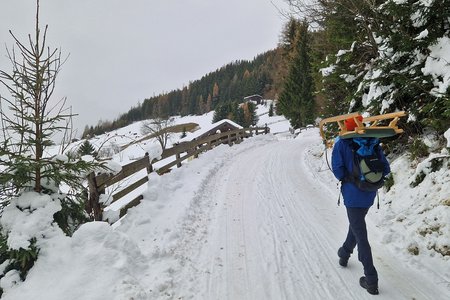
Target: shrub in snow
25, 224
389, 182
418, 149
421, 217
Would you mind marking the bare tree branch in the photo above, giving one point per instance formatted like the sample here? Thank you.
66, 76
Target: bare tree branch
158, 128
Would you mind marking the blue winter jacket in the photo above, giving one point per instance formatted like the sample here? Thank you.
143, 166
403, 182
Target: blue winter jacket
342, 165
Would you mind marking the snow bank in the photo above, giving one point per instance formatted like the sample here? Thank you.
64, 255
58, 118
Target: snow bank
447, 136
437, 65
29, 216
154, 151
96, 263
416, 216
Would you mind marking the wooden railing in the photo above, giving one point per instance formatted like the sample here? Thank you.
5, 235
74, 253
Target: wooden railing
180, 152
98, 184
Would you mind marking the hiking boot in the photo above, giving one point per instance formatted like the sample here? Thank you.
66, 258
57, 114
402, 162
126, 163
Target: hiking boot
343, 261
371, 288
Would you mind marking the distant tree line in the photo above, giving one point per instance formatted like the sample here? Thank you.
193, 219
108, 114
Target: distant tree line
229, 84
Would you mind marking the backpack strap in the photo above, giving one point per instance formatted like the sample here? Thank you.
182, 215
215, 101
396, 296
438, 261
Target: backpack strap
354, 175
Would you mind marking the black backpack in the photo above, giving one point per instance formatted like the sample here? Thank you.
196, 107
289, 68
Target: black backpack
367, 172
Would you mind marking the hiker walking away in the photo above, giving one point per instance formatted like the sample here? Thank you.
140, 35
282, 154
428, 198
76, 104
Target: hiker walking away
358, 198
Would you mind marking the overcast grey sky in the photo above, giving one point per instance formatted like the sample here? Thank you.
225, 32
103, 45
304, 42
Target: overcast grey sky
122, 52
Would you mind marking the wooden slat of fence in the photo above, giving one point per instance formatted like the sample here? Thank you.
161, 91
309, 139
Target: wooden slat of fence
126, 171
203, 146
129, 189
164, 169
218, 139
130, 204
184, 147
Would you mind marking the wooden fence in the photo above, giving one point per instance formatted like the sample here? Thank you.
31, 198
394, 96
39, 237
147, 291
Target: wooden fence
180, 152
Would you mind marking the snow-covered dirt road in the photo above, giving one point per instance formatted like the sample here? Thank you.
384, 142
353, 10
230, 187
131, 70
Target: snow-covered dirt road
265, 225
256, 221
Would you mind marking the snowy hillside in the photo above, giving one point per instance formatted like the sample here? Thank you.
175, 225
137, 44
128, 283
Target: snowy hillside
257, 220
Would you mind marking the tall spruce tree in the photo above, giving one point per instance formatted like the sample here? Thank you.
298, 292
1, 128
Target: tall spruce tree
249, 115
297, 100
220, 113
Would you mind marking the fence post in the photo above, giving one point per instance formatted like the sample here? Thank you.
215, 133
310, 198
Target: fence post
266, 129
93, 206
177, 157
195, 149
149, 166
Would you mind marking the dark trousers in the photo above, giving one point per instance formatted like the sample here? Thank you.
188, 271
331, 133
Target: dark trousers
357, 236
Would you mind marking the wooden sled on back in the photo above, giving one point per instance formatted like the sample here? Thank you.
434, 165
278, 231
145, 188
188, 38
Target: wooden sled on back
367, 127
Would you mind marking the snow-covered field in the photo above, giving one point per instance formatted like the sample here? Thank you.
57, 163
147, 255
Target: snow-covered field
258, 220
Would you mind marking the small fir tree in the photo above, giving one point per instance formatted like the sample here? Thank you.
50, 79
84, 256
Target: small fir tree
220, 112
27, 132
86, 149
271, 110
183, 134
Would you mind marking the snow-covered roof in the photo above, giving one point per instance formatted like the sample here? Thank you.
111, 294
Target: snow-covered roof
206, 128
251, 96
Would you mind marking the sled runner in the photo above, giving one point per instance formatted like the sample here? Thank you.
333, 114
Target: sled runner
365, 127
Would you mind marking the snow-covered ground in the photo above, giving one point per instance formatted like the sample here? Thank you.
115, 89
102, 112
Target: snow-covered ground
258, 220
